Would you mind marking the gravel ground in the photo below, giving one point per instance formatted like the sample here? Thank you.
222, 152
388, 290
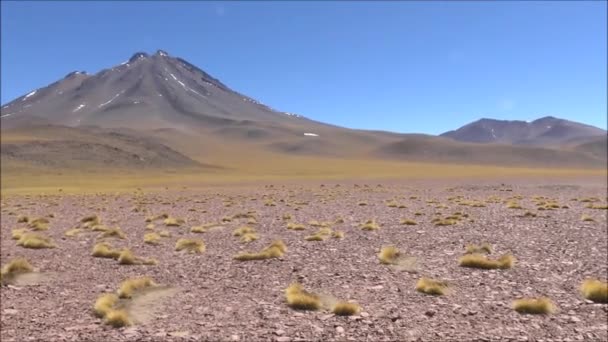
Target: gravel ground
221, 299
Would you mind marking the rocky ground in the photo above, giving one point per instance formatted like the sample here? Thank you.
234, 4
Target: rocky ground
220, 299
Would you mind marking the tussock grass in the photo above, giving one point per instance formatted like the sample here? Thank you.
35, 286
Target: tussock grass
362, 204
113, 232
100, 228
595, 290
23, 219
35, 241
299, 299
321, 235
597, 206
248, 237
286, 217
541, 305
104, 304
587, 218
198, 229
173, 222
408, 222
513, 205
295, 226
343, 308
164, 233
389, 255
444, 222
129, 286
150, 226
190, 245
16, 234
72, 232
105, 250
474, 249
118, 318
242, 231
90, 221
276, 250
370, 225
13, 268
39, 224
127, 257
152, 238
528, 214
431, 286
482, 262
338, 234
339, 220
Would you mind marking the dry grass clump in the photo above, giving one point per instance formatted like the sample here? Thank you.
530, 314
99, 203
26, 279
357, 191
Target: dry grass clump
587, 218
130, 286
275, 250
513, 205
90, 221
541, 305
343, 308
389, 255
431, 286
595, 290
480, 261
152, 238
474, 249
198, 229
105, 304
299, 299
338, 234
190, 245
596, 206
105, 250
248, 237
295, 226
16, 234
23, 219
173, 222
35, 241
127, 257
100, 228
408, 222
113, 232
321, 235
362, 204
315, 223
164, 233
286, 217
118, 318
41, 223
528, 214
370, 225
14, 267
243, 230
444, 222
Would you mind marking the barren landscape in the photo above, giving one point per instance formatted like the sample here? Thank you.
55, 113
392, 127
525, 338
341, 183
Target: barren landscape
212, 296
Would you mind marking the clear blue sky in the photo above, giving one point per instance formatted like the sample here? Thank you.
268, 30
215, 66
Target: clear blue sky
400, 66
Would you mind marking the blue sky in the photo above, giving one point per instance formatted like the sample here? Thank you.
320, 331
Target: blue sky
401, 66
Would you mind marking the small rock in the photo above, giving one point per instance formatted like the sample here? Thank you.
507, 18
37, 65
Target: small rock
340, 330
429, 313
279, 332
326, 317
10, 312
364, 314
283, 339
574, 319
235, 338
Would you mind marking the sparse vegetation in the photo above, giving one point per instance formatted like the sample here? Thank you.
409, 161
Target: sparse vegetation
104, 304
105, 250
276, 250
370, 225
480, 261
152, 238
295, 226
173, 222
113, 232
408, 222
118, 318
128, 287
342, 308
388, 255
298, 298
474, 249
35, 241
595, 290
13, 268
431, 286
541, 305
41, 223
190, 245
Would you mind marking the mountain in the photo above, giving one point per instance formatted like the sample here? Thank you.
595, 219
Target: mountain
544, 131
161, 112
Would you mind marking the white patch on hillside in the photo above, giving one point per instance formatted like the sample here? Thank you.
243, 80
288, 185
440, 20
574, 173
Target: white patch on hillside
112, 99
185, 86
5, 115
28, 95
311, 134
79, 108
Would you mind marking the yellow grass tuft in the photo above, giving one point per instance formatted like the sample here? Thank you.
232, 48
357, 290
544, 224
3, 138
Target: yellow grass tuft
39, 224
370, 225
298, 298
35, 241
342, 308
118, 318
128, 287
541, 305
513, 205
198, 229
275, 250
248, 237
474, 249
190, 245
388, 255
480, 261
587, 218
152, 238
164, 233
431, 286
13, 268
408, 222
99, 228
173, 222
127, 257
295, 226
23, 219
113, 232
595, 290
16, 234
337, 234
104, 304
321, 235
286, 217
243, 230
105, 250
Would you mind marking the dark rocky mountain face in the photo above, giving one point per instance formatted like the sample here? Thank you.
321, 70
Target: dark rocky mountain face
544, 131
146, 91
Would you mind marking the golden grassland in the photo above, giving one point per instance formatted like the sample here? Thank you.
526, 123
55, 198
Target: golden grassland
24, 179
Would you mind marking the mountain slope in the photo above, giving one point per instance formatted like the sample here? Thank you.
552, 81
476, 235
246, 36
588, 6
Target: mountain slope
544, 131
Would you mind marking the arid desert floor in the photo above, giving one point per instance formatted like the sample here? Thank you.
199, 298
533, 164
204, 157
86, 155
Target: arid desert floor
212, 296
